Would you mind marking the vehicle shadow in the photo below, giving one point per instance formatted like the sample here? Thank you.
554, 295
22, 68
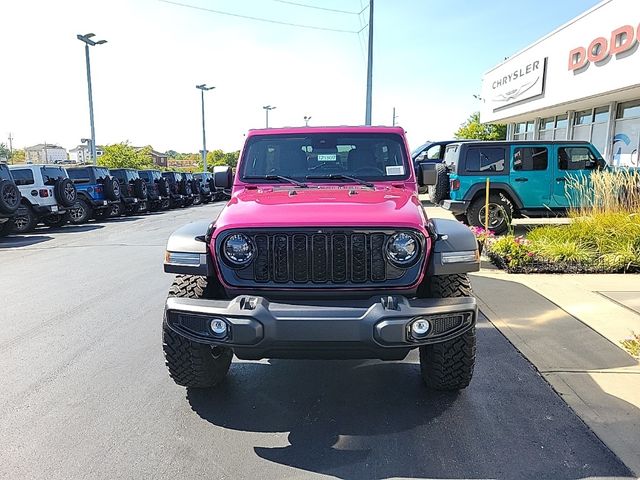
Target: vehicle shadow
376, 420
70, 228
13, 241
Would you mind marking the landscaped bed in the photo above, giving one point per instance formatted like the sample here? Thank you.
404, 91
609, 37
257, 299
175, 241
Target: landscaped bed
602, 237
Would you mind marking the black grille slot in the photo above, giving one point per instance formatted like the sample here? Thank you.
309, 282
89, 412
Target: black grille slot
444, 324
339, 251
281, 258
261, 265
300, 258
358, 257
320, 257
378, 263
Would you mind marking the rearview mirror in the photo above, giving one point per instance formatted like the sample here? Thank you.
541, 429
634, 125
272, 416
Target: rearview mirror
427, 174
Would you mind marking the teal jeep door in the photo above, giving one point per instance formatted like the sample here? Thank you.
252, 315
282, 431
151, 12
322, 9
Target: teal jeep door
530, 175
573, 166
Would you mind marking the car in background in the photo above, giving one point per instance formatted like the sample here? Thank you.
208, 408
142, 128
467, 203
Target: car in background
157, 189
176, 182
47, 195
429, 152
527, 179
206, 185
191, 189
133, 192
10, 199
97, 192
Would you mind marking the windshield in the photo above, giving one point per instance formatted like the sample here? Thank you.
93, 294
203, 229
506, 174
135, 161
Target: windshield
364, 156
418, 150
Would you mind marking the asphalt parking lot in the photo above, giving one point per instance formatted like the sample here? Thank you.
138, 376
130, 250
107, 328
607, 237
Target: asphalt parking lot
85, 393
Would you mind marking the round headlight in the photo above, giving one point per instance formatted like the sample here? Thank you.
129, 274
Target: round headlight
403, 249
238, 249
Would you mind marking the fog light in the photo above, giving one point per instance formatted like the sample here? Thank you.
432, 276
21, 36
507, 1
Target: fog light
218, 327
420, 328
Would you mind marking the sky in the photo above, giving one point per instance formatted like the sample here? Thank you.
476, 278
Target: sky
429, 58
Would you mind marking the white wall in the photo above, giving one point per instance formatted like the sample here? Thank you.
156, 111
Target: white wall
615, 78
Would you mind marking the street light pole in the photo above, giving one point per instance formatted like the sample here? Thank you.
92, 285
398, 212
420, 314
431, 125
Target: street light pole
86, 38
203, 88
267, 108
367, 116
306, 120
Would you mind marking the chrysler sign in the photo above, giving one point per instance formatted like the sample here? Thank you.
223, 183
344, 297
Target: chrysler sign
525, 80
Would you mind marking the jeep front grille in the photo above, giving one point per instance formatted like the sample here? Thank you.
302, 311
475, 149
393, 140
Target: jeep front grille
319, 257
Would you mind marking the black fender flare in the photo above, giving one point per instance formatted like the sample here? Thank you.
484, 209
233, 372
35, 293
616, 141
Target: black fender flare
193, 240
451, 237
495, 187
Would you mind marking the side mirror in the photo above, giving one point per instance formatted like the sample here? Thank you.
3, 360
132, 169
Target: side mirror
427, 174
222, 177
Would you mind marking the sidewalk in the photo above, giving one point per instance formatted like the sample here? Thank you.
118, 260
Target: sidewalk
568, 328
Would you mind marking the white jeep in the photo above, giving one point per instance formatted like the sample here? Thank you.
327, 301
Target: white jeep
47, 194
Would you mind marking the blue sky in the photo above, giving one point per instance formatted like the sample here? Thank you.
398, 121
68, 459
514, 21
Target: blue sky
429, 58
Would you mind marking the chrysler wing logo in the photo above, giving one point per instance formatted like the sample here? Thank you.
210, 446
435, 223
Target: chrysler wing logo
516, 92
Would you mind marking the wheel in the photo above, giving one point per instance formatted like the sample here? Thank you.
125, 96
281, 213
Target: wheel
500, 212
192, 364
166, 204
197, 200
25, 221
440, 190
65, 192
9, 197
117, 209
111, 188
449, 365
55, 220
81, 212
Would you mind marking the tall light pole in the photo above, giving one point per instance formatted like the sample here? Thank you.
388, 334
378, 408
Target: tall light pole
86, 38
367, 116
203, 88
393, 122
267, 108
306, 120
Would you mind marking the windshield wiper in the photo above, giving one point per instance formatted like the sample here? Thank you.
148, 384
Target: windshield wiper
339, 176
276, 177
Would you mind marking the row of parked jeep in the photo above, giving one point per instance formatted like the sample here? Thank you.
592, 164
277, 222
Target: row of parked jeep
53, 195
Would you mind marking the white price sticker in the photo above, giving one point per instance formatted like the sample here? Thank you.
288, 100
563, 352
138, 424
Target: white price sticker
395, 170
327, 157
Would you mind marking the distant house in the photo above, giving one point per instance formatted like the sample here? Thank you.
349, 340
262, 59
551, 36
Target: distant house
81, 154
159, 159
45, 153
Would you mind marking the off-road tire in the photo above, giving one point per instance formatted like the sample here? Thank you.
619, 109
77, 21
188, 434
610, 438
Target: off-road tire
56, 220
197, 199
111, 188
163, 187
475, 212
439, 191
449, 365
81, 212
192, 364
117, 209
65, 192
9, 197
140, 188
24, 223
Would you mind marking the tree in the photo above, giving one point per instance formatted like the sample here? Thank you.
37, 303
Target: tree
123, 155
5, 153
473, 129
218, 157
18, 156
171, 153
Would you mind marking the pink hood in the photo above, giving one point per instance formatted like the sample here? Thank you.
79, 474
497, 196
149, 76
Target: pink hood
386, 206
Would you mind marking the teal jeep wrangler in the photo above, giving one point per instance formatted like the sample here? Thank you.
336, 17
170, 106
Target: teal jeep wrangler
527, 179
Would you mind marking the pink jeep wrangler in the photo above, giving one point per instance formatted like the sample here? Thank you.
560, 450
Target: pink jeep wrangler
323, 251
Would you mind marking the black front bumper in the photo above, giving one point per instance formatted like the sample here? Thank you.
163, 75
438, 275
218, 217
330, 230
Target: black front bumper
378, 327
457, 207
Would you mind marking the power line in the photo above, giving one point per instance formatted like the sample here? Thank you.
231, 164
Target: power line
258, 19
317, 8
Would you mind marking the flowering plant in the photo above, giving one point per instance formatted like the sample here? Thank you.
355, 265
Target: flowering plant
482, 234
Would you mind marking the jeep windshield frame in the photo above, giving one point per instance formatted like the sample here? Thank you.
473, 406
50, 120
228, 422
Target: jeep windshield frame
325, 157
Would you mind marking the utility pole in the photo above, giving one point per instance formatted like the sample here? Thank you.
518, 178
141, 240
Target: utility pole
10, 148
394, 117
203, 88
267, 108
306, 120
86, 38
367, 116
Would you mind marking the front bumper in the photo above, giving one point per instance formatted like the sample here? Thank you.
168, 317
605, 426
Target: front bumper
379, 327
455, 206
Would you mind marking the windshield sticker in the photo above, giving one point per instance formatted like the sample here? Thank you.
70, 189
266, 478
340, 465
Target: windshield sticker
327, 157
395, 170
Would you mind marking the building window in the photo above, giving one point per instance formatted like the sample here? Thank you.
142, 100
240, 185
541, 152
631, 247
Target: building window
553, 128
626, 139
591, 126
629, 110
524, 131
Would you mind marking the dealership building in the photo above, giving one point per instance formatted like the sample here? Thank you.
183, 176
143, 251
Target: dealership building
579, 82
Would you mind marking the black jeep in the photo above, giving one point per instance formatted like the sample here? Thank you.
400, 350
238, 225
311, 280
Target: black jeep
176, 187
9, 200
206, 185
157, 189
133, 193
